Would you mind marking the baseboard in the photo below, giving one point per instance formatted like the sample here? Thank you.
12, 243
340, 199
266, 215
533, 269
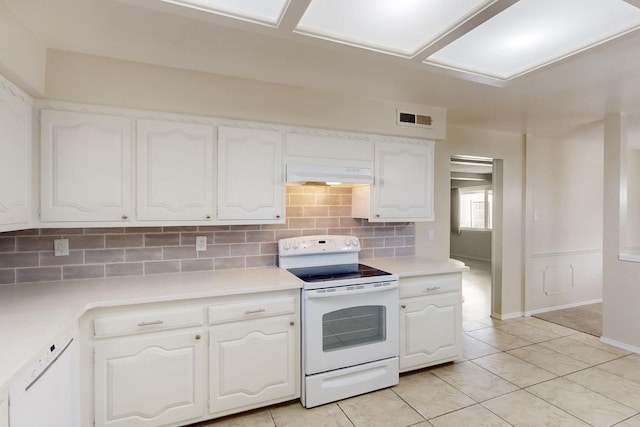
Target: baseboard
561, 307
507, 316
619, 344
469, 257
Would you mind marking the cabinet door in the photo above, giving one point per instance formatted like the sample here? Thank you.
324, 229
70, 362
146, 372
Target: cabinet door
403, 187
15, 162
430, 330
86, 167
175, 171
150, 381
253, 363
250, 181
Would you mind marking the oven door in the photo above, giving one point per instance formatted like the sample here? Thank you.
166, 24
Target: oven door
350, 325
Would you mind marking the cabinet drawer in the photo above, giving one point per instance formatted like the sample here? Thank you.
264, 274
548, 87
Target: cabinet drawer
428, 285
251, 309
148, 321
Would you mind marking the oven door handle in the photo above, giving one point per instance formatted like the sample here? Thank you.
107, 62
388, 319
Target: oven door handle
344, 293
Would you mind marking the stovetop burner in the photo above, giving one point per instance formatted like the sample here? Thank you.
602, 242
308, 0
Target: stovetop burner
328, 273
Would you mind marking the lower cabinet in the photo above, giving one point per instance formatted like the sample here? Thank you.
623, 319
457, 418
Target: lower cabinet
150, 381
172, 364
252, 363
430, 320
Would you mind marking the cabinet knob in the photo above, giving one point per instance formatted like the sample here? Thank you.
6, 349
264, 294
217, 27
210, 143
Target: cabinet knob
377, 215
292, 323
198, 337
278, 216
125, 216
403, 306
208, 217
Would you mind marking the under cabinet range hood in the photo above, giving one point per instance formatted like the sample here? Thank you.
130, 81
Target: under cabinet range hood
330, 175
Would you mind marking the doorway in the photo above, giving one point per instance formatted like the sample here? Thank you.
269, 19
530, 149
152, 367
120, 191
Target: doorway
474, 193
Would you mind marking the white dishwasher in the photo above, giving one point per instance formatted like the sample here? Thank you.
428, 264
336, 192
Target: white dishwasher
46, 396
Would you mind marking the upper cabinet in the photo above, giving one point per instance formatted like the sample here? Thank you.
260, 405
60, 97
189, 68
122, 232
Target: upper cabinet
107, 166
250, 178
15, 158
403, 183
85, 167
174, 171
328, 148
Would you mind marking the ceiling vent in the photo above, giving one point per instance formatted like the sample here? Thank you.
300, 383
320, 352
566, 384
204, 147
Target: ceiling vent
413, 119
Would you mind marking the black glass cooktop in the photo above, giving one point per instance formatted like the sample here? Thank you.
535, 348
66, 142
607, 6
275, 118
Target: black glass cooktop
327, 273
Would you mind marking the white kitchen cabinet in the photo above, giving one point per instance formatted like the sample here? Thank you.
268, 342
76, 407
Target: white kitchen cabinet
158, 364
252, 364
430, 320
85, 167
328, 148
174, 171
403, 184
152, 380
15, 158
250, 177
253, 354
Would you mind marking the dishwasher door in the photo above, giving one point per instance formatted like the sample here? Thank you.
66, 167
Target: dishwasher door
47, 395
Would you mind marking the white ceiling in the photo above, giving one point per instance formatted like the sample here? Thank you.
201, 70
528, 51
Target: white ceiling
580, 89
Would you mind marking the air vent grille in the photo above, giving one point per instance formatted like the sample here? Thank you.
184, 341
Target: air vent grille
414, 119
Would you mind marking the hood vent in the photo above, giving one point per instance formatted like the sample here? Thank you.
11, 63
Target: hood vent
331, 175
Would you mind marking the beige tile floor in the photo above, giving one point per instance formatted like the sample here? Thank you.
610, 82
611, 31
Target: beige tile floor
519, 372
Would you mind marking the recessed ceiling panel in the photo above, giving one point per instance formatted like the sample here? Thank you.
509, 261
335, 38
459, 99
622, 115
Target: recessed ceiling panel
534, 33
400, 27
260, 11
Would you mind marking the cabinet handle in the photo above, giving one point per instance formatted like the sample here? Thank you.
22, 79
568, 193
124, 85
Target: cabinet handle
292, 323
433, 288
257, 310
155, 322
403, 306
197, 337
125, 216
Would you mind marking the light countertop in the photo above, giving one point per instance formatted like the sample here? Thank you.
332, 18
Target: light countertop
32, 314
416, 266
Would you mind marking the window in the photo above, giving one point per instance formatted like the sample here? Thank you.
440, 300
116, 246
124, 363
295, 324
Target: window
475, 208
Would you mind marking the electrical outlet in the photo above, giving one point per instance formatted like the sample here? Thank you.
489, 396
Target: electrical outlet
201, 243
432, 234
61, 247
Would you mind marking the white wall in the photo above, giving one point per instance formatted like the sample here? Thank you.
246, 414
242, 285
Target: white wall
564, 185
100, 80
621, 279
632, 240
471, 244
508, 266
22, 54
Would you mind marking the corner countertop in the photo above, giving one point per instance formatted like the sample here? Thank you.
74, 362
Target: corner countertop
35, 313
416, 266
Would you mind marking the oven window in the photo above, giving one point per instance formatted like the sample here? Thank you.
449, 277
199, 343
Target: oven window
353, 326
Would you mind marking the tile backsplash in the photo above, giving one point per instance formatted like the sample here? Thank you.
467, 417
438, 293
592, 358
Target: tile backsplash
27, 256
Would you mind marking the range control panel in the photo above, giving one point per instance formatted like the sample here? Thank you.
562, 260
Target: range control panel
312, 245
